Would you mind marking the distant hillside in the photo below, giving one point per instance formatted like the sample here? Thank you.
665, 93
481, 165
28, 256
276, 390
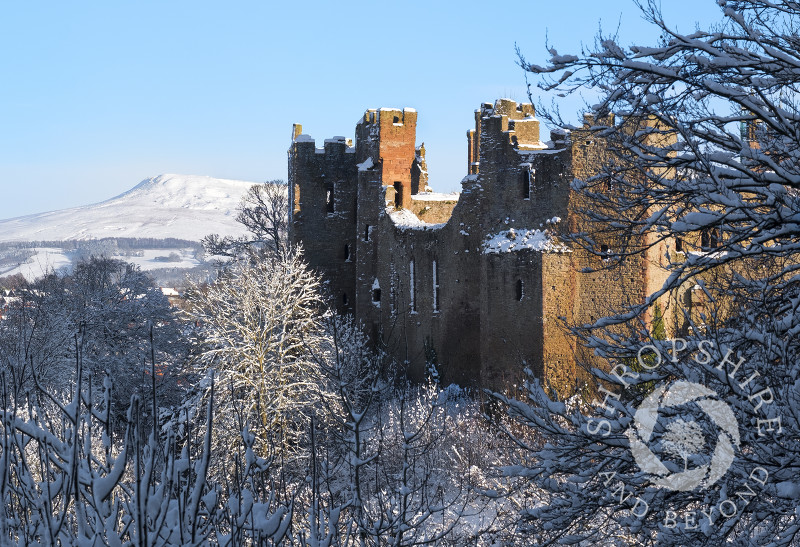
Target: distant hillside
184, 207
157, 225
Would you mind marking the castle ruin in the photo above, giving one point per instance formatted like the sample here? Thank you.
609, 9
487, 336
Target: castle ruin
478, 281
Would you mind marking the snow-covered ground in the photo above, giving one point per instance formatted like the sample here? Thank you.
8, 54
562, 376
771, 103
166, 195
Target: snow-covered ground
49, 259
167, 206
44, 259
165, 258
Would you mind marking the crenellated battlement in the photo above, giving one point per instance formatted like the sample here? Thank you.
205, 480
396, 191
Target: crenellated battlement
307, 143
503, 122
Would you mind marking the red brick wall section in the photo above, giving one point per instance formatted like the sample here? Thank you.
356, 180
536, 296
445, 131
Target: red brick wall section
398, 130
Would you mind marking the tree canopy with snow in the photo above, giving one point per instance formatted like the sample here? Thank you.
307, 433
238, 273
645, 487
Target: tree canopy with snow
703, 138
109, 312
254, 324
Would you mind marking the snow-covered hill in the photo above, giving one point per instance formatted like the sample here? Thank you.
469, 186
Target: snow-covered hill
167, 206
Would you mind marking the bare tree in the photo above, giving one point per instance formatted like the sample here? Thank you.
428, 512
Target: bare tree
64, 482
264, 211
124, 320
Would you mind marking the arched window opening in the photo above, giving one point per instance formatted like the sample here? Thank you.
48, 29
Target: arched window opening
678, 245
344, 299
520, 290
346, 252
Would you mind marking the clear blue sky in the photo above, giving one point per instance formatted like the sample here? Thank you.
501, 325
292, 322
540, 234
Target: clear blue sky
97, 96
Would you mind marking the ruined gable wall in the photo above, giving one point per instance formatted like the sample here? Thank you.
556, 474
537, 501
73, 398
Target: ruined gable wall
632, 280
526, 183
559, 296
397, 148
388, 137
614, 285
511, 317
371, 195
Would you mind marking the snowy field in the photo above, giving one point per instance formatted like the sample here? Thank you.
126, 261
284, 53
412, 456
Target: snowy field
45, 259
53, 259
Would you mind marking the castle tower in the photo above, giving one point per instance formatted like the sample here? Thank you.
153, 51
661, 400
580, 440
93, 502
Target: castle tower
388, 137
322, 198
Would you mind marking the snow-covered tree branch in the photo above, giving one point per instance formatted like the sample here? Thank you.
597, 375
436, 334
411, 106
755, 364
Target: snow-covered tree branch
701, 174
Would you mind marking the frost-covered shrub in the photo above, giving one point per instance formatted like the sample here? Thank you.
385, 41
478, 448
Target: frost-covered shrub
369, 460
63, 480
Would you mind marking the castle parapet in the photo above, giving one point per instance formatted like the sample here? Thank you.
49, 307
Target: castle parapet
509, 123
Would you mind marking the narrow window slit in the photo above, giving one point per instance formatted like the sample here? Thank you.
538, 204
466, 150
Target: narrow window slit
329, 201
435, 286
412, 287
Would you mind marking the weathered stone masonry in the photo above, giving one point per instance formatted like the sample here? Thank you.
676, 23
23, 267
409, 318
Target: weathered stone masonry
418, 270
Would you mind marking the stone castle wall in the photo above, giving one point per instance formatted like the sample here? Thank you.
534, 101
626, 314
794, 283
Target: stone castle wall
417, 272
